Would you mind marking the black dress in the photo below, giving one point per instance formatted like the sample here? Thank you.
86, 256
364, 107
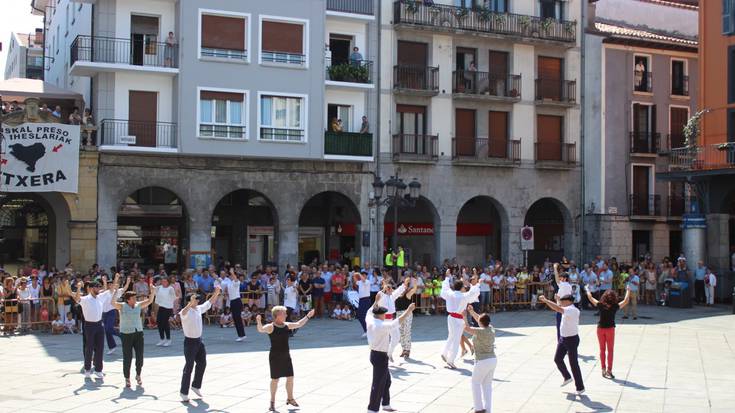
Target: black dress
279, 356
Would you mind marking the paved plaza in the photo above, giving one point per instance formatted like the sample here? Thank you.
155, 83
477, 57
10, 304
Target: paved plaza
669, 360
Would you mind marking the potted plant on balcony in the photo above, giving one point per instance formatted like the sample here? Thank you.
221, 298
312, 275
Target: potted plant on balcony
484, 13
412, 6
525, 23
461, 12
499, 21
546, 24
569, 28
513, 93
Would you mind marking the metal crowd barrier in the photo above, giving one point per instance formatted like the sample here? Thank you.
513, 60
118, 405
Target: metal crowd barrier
21, 315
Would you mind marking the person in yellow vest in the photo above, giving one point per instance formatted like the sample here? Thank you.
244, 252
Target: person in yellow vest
389, 260
400, 259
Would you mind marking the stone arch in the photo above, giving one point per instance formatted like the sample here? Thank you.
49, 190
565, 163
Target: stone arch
553, 229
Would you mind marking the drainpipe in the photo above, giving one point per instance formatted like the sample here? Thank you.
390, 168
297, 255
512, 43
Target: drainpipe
582, 249
379, 21
91, 78
43, 55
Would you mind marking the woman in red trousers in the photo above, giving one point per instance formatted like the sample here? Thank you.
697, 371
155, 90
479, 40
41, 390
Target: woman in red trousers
608, 306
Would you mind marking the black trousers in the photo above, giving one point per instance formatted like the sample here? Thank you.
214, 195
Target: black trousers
362, 310
236, 311
699, 295
380, 389
558, 326
130, 342
94, 344
568, 345
162, 321
194, 352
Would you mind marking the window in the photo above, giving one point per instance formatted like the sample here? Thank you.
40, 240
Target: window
731, 74
641, 74
66, 18
222, 114
498, 6
56, 39
283, 42
73, 15
728, 16
339, 118
224, 36
730, 128
550, 9
679, 78
644, 137
282, 118
549, 138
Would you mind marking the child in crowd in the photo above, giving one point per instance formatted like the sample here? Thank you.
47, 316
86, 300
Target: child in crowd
346, 313
70, 326
337, 313
57, 326
225, 319
247, 315
304, 304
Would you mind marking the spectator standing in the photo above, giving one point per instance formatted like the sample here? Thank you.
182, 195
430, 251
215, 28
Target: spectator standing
710, 282
699, 275
317, 293
169, 52
356, 56
633, 286
57, 112
608, 306
75, 118
365, 126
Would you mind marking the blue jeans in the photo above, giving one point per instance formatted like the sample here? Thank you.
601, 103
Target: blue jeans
108, 319
484, 298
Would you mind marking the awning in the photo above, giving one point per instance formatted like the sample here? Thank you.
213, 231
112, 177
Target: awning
19, 89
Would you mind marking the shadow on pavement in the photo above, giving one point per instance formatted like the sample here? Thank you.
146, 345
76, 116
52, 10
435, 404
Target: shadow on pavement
587, 402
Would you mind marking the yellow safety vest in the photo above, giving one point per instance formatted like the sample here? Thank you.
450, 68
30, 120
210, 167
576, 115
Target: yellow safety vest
401, 259
389, 259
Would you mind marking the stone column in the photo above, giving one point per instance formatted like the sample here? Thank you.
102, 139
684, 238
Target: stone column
694, 238
288, 244
107, 243
718, 252
447, 240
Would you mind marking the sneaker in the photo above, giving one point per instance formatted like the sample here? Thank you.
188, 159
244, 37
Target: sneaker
160, 343
99, 374
387, 408
239, 339
87, 374
166, 343
567, 381
184, 397
580, 392
111, 351
451, 366
196, 391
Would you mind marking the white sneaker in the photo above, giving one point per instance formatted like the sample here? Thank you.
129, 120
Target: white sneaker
111, 351
166, 343
184, 398
451, 366
160, 343
387, 408
196, 391
87, 374
580, 392
99, 374
567, 381
364, 335
239, 339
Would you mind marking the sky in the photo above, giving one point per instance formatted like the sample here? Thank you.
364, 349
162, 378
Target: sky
15, 16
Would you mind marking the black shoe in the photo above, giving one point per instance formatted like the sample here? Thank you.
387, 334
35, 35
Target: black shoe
625, 317
635, 318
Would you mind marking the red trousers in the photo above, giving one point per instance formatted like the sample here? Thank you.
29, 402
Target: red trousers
606, 338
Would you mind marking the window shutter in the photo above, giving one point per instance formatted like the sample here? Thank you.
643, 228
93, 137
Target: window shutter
283, 37
653, 120
727, 16
219, 32
210, 95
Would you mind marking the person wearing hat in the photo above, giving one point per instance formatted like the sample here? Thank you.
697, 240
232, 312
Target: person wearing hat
194, 350
379, 331
92, 305
568, 341
388, 300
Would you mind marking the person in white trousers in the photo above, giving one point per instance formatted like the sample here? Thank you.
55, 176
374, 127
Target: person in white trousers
388, 301
457, 298
710, 282
483, 338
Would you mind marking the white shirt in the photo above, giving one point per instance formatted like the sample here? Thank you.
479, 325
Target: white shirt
191, 323
389, 301
564, 289
378, 332
35, 292
592, 282
363, 288
511, 281
232, 288
569, 321
327, 281
484, 286
92, 306
712, 280
497, 279
107, 303
165, 296
290, 297
374, 283
457, 301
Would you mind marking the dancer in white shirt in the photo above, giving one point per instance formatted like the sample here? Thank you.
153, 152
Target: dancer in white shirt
363, 291
194, 350
165, 297
379, 335
388, 300
457, 298
231, 286
94, 333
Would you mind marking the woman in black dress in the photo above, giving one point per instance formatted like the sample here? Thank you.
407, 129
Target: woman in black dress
279, 357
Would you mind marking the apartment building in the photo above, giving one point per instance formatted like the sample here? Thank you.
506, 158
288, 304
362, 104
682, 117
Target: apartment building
25, 56
480, 103
641, 88
217, 126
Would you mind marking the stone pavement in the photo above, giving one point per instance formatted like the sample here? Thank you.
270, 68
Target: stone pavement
675, 361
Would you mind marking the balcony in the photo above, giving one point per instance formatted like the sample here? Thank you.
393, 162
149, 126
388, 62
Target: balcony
645, 142
282, 58
680, 87
645, 205
92, 55
703, 158
642, 82
482, 21
350, 74
137, 135
416, 80
361, 7
411, 147
348, 144
486, 150
556, 153
485, 86
556, 92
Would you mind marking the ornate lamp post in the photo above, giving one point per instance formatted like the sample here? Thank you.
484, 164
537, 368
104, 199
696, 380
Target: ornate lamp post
395, 196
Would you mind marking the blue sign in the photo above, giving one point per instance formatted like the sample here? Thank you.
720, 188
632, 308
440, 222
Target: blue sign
693, 221
200, 260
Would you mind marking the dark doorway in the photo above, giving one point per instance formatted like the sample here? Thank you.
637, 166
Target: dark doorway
675, 244
547, 219
340, 46
641, 244
144, 38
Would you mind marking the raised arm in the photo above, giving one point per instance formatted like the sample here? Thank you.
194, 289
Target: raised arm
590, 297
626, 300
446, 288
302, 322
552, 305
467, 327
217, 290
265, 329
151, 296
408, 311
473, 313
189, 305
556, 273
78, 294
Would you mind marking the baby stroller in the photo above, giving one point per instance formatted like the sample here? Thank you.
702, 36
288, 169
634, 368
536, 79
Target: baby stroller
665, 293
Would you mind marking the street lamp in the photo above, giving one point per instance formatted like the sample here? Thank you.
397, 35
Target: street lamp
396, 196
